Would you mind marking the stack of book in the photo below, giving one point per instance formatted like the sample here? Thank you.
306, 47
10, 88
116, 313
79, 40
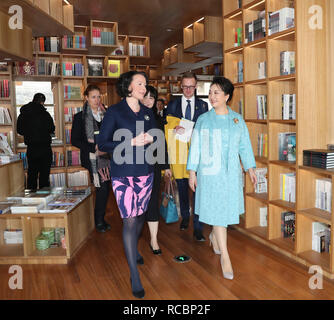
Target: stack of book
256, 29
5, 116
137, 50
262, 68
73, 69
281, 20
13, 236
57, 159
237, 37
70, 112
289, 106
73, 158
261, 102
20, 208
50, 68
263, 217
287, 63
323, 198
95, 67
262, 145
102, 37
4, 89
262, 183
288, 222
288, 187
321, 235
79, 178
240, 71
57, 180
287, 146
320, 158
71, 92
47, 44
74, 42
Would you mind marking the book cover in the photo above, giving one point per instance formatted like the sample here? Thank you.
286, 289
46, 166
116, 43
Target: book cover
114, 68
95, 67
288, 224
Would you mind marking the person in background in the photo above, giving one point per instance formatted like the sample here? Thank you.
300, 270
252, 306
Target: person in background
85, 128
124, 133
220, 137
160, 106
189, 107
36, 125
153, 213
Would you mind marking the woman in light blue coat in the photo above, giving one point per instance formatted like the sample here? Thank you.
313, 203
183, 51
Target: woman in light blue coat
220, 139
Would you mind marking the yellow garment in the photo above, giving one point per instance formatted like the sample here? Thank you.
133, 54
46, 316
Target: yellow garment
177, 150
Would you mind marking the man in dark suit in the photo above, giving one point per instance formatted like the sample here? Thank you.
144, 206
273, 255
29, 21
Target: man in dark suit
189, 107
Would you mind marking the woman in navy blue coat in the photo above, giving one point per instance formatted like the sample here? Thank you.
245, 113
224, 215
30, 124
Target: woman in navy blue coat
125, 134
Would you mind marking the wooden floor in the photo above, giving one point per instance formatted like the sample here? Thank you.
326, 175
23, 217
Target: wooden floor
99, 270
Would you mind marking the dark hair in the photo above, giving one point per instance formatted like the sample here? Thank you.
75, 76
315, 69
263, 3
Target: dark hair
154, 94
39, 98
91, 87
189, 75
161, 100
124, 81
225, 84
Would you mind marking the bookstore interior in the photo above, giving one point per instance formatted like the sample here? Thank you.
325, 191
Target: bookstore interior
279, 56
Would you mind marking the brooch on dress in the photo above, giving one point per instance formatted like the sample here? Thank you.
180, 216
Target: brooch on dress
146, 117
236, 120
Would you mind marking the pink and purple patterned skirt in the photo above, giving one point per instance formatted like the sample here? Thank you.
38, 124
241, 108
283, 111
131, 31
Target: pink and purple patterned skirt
132, 194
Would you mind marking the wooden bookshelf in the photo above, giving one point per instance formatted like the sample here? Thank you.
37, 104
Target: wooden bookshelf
104, 26
312, 126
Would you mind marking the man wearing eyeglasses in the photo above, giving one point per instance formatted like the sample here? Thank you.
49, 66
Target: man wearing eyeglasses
188, 107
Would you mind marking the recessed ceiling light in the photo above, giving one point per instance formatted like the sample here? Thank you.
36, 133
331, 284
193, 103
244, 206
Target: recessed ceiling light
169, 29
7, 59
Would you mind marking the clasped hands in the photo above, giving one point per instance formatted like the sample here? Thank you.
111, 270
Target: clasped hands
141, 140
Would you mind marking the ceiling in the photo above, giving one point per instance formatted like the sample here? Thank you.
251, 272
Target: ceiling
147, 18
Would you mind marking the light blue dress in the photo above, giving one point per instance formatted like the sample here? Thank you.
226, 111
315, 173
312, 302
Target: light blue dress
217, 145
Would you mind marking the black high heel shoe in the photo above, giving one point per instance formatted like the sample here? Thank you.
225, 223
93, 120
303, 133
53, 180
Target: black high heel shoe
157, 252
140, 261
137, 294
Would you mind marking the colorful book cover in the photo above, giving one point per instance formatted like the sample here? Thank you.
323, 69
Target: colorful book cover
114, 68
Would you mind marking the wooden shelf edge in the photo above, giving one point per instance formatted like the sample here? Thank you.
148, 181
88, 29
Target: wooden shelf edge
318, 170
234, 49
288, 164
317, 215
233, 14
284, 204
282, 34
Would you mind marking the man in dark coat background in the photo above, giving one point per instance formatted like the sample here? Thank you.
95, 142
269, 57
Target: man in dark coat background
36, 125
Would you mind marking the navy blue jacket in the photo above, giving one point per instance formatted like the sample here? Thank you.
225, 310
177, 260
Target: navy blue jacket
126, 160
174, 108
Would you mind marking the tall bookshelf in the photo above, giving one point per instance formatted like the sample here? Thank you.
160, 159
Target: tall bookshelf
311, 125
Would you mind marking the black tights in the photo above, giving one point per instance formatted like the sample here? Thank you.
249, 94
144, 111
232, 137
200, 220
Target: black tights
131, 231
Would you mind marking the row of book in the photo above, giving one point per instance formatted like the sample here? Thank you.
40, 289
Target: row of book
68, 135
71, 92
73, 69
79, 178
4, 88
73, 158
70, 112
256, 29
287, 62
288, 187
289, 106
136, 49
262, 145
57, 159
74, 42
262, 181
287, 146
261, 104
319, 158
323, 190
102, 37
281, 20
262, 69
240, 71
47, 67
321, 237
5, 117
13, 236
46, 44
50, 238
237, 36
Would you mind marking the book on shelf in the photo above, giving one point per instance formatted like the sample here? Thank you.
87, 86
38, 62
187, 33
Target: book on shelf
5, 117
68, 133
240, 72
56, 209
23, 157
62, 200
73, 158
281, 20
237, 37
70, 112
46, 44
4, 88
330, 146
239, 4
262, 68
5, 206
287, 63
102, 37
25, 68
288, 187
256, 29
19, 208
71, 92
287, 146
50, 68
320, 158
37, 198
263, 216
95, 67
4, 67
5, 148
288, 222
323, 190
262, 145
241, 107
261, 102
73, 69
138, 50
13, 236
321, 235
114, 68
289, 106
262, 182
57, 159
79, 178
74, 42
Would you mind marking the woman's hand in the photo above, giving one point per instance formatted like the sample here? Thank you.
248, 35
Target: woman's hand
148, 138
179, 130
138, 141
252, 176
192, 180
168, 173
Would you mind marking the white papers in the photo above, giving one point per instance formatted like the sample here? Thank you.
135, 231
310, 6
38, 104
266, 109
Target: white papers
188, 127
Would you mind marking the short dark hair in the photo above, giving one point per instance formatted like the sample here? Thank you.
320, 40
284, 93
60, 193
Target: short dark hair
124, 81
224, 84
161, 100
91, 87
189, 75
153, 93
39, 98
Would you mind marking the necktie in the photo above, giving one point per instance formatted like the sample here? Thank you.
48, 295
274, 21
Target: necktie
188, 111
